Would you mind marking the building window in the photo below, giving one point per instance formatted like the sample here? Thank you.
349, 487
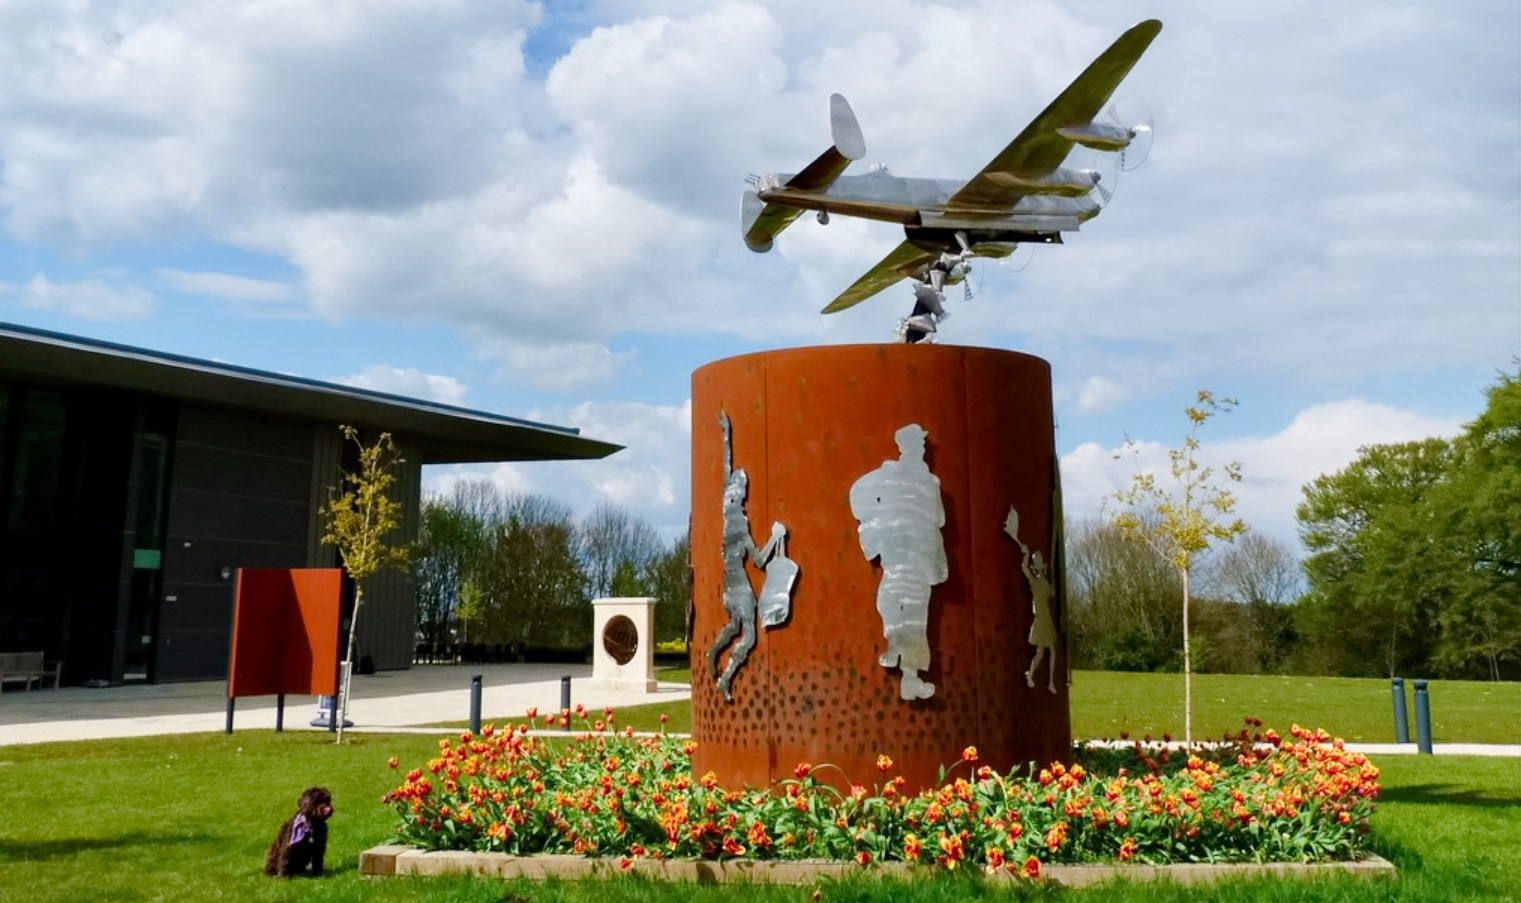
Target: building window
37, 462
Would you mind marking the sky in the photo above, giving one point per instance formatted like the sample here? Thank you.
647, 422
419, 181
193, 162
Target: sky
533, 209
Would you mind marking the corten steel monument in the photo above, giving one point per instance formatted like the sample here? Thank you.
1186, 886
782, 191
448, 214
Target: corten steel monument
876, 529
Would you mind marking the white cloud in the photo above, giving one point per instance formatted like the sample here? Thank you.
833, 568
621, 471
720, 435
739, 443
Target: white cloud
409, 382
228, 286
1099, 393
1322, 439
411, 168
650, 476
401, 156
509, 479
564, 366
126, 123
528, 277
88, 299
1326, 437
1091, 474
654, 100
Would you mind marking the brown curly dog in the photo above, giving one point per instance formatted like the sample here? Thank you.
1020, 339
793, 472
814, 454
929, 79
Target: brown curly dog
302, 841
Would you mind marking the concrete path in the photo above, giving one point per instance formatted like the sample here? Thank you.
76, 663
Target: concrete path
1374, 749
1438, 749
389, 701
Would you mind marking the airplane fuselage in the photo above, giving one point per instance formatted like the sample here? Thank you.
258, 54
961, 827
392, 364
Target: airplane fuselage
910, 202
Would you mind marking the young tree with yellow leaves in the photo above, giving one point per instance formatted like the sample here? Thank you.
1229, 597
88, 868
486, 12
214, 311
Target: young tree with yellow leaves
358, 517
1180, 517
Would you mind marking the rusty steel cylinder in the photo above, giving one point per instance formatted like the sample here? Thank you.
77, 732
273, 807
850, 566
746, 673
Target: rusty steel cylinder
781, 438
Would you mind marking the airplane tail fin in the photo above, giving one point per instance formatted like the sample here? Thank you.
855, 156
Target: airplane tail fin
844, 129
762, 222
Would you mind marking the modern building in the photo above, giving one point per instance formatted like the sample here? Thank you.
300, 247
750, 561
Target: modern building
134, 484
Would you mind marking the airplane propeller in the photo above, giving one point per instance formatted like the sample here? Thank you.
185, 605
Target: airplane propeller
1131, 115
1023, 254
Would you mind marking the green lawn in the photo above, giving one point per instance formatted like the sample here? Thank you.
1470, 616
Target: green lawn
675, 675
188, 818
1453, 826
1105, 704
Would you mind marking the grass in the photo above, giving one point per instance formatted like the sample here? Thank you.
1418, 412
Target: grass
674, 675
1454, 829
188, 818
1105, 704
1355, 709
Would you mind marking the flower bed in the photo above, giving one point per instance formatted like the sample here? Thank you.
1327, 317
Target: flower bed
1257, 798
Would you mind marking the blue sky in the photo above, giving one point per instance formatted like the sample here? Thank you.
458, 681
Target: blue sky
533, 209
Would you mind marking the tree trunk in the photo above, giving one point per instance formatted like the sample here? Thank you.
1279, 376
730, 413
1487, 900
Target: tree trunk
341, 711
1188, 671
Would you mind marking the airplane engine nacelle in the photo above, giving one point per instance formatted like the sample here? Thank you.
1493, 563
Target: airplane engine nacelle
1098, 136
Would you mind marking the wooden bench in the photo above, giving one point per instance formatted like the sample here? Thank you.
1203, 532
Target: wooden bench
28, 668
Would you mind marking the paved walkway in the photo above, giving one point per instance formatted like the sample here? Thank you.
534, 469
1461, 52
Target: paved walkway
1502, 750
389, 701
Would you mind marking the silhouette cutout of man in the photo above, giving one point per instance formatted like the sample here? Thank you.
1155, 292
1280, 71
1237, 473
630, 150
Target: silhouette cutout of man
900, 513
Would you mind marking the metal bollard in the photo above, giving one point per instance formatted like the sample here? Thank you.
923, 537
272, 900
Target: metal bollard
1422, 718
475, 704
1401, 718
565, 693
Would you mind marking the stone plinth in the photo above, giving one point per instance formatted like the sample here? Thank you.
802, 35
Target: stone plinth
623, 645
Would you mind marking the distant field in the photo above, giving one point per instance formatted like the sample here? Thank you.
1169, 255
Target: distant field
1104, 703
1107, 703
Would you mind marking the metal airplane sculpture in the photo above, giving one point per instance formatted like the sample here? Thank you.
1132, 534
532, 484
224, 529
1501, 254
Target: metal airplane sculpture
1023, 196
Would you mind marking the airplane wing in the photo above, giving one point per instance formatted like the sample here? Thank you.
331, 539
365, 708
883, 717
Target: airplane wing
1038, 150
904, 260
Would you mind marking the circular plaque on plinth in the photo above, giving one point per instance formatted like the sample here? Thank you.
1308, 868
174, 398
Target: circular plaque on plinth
621, 639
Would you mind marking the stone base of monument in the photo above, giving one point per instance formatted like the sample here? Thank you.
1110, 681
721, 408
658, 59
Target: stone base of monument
398, 861
915, 489
623, 645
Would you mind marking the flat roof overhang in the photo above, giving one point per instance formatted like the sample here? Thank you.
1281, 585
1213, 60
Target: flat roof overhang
443, 433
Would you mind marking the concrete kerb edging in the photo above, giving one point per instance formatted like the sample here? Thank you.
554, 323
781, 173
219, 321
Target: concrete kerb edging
393, 861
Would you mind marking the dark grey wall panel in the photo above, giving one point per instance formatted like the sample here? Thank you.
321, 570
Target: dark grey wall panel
239, 494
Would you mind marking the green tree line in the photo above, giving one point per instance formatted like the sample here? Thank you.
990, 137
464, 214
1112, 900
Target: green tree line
1415, 553
503, 575
1412, 568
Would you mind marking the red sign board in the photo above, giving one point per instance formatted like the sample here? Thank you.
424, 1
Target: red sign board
285, 632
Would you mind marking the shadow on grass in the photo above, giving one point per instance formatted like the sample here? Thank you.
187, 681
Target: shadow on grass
1447, 794
1404, 858
62, 847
